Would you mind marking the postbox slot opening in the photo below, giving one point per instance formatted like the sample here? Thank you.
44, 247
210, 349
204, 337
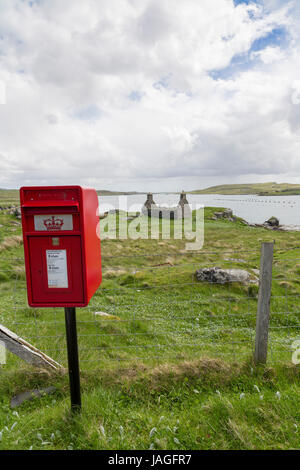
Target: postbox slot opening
50, 210
32, 206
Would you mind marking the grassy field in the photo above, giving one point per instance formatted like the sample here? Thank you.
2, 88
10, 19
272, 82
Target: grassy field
170, 365
9, 196
262, 189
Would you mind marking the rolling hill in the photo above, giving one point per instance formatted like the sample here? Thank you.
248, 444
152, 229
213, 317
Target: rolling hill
262, 189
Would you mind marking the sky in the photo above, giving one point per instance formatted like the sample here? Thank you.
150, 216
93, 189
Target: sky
149, 95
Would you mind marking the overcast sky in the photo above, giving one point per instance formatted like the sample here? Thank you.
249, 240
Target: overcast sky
149, 94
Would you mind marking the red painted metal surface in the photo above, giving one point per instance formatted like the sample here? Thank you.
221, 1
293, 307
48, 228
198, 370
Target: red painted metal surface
62, 249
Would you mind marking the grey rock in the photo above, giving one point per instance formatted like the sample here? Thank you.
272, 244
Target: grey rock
223, 276
226, 214
17, 212
219, 215
13, 210
28, 396
273, 222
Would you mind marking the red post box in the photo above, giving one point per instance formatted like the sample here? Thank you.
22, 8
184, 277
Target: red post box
62, 248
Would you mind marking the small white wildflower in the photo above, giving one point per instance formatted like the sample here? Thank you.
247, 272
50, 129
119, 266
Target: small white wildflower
218, 392
102, 430
261, 397
278, 395
15, 413
161, 419
242, 395
176, 441
30, 448
295, 426
14, 425
196, 391
152, 432
121, 430
39, 436
256, 388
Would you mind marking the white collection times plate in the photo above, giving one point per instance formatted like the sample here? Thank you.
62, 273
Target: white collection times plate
57, 268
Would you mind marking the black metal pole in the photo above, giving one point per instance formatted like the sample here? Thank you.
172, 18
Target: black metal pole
73, 361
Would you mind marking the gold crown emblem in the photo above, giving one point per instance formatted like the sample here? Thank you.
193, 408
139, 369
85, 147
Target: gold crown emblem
53, 223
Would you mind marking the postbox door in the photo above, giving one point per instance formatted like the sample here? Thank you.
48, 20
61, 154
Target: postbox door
56, 269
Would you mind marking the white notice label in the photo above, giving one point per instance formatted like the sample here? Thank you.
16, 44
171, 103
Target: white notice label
57, 268
52, 223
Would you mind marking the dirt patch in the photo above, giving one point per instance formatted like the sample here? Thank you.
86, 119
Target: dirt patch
205, 369
11, 242
111, 273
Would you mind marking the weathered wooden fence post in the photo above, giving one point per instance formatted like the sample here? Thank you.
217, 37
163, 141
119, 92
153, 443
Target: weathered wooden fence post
263, 307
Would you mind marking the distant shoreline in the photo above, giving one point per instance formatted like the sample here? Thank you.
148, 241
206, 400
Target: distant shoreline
257, 189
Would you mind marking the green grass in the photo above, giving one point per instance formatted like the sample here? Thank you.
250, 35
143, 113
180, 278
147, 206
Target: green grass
262, 189
205, 404
9, 197
171, 367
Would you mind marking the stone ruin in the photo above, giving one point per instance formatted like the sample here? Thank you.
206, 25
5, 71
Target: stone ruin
181, 211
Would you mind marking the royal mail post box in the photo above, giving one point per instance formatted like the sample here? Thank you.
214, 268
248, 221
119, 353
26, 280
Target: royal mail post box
61, 245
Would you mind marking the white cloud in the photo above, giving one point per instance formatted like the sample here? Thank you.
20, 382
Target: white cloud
2, 93
270, 54
119, 93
